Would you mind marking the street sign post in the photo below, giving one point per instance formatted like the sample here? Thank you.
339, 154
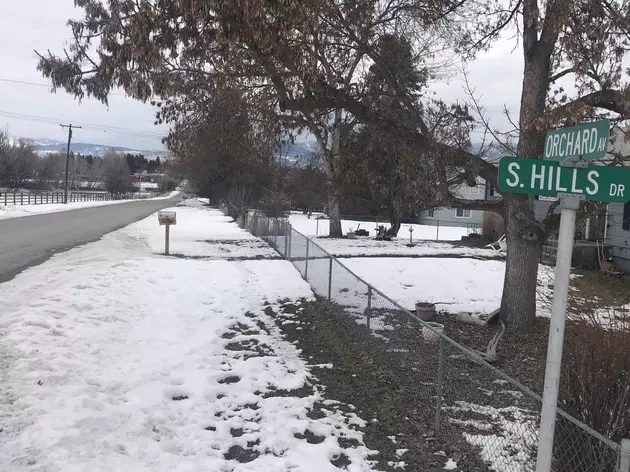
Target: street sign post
549, 178
563, 173
586, 140
572, 181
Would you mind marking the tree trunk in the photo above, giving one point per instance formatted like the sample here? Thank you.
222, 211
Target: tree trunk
395, 221
333, 214
524, 235
524, 240
331, 169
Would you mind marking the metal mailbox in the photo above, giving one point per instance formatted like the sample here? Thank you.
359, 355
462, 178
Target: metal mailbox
167, 218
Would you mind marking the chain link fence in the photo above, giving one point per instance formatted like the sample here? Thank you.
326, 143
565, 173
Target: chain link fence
429, 229
490, 418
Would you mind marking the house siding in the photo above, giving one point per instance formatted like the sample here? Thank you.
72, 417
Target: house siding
448, 216
618, 237
541, 208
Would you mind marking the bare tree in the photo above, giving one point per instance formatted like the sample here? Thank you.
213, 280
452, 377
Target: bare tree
224, 150
115, 174
18, 163
300, 56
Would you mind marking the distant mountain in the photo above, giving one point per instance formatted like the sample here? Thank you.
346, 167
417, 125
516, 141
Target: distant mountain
305, 148
301, 148
45, 145
494, 150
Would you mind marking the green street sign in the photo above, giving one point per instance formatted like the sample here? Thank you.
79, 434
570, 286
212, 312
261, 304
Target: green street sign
547, 178
586, 140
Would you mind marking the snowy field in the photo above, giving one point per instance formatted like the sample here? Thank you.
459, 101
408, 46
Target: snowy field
368, 246
455, 285
14, 211
116, 358
315, 227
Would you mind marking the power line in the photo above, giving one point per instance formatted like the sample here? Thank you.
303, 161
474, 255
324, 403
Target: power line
43, 119
36, 84
97, 127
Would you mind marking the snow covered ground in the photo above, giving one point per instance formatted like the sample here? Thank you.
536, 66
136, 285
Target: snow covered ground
204, 234
116, 358
368, 246
14, 211
315, 227
455, 285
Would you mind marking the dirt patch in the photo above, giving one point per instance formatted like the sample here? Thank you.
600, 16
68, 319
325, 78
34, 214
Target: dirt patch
521, 356
240, 454
230, 380
593, 293
395, 419
231, 259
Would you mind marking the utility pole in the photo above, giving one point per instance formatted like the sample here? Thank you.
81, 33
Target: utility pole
65, 187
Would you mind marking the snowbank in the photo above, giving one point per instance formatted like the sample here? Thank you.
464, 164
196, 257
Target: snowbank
119, 359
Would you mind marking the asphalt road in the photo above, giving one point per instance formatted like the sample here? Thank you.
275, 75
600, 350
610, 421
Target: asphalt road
30, 240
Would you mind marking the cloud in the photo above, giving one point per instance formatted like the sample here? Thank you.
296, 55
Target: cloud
496, 77
41, 25
26, 25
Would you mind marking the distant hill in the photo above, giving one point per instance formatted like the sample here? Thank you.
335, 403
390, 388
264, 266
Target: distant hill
494, 151
307, 147
303, 147
45, 145
300, 150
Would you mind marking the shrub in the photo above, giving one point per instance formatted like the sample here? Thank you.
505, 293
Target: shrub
595, 388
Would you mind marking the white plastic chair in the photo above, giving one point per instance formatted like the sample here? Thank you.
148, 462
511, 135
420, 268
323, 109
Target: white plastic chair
499, 246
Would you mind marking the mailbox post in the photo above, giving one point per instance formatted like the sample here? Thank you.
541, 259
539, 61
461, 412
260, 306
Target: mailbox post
167, 218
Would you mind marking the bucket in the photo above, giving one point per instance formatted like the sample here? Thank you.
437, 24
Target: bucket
425, 311
432, 336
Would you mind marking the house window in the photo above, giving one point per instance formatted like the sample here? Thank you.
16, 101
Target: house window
474, 190
493, 191
461, 213
431, 212
626, 217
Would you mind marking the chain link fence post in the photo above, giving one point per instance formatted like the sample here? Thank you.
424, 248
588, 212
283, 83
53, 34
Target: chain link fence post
330, 268
286, 240
624, 456
440, 381
290, 243
368, 312
437, 236
306, 263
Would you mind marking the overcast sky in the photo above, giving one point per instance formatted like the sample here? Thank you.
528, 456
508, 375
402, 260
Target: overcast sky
26, 25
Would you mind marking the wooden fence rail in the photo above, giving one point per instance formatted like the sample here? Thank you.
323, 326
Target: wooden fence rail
42, 198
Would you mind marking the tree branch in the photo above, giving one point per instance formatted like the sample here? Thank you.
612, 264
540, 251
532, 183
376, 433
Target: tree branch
617, 101
497, 206
560, 74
